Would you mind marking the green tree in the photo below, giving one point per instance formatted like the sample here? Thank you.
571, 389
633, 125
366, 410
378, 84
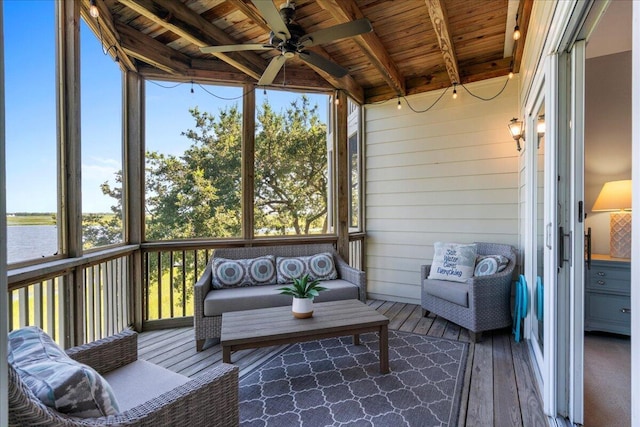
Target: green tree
291, 170
198, 194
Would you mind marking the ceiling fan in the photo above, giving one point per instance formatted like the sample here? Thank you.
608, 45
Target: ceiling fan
290, 39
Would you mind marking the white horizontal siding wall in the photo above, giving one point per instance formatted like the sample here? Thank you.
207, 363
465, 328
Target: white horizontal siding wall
450, 174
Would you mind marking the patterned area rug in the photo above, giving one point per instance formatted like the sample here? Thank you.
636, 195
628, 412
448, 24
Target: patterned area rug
331, 382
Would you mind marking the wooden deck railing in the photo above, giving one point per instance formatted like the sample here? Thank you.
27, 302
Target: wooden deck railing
87, 298
94, 306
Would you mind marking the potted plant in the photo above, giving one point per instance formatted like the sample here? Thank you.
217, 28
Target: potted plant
303, 290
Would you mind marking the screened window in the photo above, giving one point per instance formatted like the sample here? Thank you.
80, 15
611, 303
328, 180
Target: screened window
101, 136
355, 171
291, 166
193, 161
30, 106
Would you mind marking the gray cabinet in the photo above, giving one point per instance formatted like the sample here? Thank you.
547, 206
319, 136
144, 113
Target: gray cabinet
607, 295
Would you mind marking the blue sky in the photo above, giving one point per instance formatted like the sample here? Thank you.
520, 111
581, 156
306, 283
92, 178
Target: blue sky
31, 115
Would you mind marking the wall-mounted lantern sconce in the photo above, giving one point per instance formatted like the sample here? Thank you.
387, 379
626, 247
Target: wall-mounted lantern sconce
541, 128
517, 131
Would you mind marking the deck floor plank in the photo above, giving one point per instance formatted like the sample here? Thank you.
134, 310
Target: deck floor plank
402, 316
412, 321
423, 325
505, 393
481, 403
529, 398
500, 388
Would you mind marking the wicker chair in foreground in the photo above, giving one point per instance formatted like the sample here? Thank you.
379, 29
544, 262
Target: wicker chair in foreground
153, 396
481, 303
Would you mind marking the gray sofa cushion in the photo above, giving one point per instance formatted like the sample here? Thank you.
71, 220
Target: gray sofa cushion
457, 293
141, 381
219, 301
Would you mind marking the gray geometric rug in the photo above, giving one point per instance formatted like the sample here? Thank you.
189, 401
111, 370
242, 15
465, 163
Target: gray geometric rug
331, 382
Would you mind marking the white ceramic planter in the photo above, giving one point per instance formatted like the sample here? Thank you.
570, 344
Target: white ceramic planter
302, 308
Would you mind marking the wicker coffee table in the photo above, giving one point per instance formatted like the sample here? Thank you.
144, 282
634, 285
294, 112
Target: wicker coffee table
277, 326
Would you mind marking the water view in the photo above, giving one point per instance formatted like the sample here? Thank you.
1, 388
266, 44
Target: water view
25, 242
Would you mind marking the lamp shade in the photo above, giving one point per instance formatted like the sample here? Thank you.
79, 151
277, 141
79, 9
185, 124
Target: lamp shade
614, 196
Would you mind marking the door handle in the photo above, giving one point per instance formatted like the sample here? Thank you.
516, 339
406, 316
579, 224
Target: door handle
561, 247
548, 235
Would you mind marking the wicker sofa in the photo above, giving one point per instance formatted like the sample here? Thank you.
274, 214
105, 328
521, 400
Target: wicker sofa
149, 395
210, 303
479, 304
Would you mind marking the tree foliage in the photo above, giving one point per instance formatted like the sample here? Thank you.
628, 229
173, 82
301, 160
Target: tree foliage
291, 170
198, 194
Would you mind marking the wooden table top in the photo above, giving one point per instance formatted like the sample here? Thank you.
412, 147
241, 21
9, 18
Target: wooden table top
278, 322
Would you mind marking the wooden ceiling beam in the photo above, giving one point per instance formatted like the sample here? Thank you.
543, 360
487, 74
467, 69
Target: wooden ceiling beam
216, 72
441, 80
151, 51
440, 21
524, 14
176, 17
346, 83
105, 31
348, 10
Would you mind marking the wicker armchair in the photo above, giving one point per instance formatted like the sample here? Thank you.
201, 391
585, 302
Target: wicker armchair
488, 298
210, 399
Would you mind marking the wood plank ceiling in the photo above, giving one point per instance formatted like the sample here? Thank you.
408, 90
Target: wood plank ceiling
415, 46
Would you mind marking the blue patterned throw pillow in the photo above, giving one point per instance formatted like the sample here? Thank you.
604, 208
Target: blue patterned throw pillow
230, 273
318, 267
453, 261
490, 264
58, 381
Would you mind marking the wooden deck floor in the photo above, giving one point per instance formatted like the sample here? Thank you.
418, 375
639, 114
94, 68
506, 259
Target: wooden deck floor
500, 389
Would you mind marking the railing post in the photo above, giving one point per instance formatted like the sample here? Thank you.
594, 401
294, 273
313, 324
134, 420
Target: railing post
69, 154
342, 168
248, 158
133, 187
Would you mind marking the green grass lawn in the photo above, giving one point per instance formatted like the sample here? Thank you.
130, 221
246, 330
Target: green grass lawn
30, 220
44, 219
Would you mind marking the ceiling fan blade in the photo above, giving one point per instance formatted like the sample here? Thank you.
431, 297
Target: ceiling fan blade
322, 63
337, 32
270, 14
235, 47
272, 70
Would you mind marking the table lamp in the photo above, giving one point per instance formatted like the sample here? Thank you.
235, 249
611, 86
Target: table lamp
615, 196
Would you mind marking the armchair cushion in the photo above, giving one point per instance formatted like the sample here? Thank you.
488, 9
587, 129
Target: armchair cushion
453, 261
457, 293
57, 380
140, 381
